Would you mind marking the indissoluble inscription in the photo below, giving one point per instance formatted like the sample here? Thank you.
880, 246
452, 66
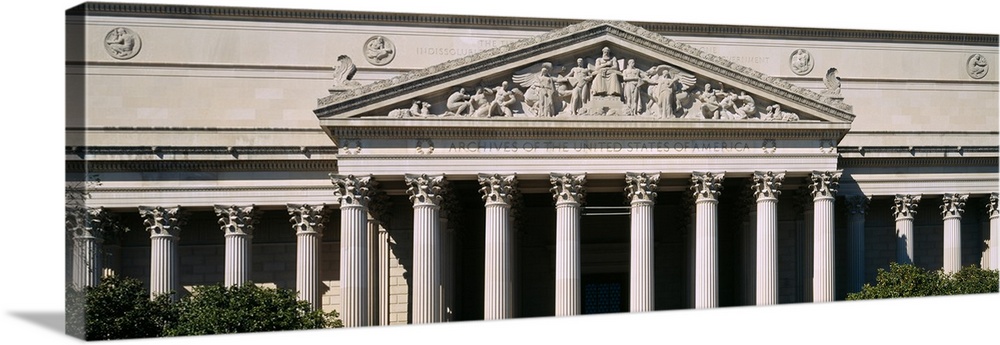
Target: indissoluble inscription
540, 146
479, 46
740, 59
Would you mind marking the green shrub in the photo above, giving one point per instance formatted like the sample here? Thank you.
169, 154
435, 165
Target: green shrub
214, 309
912, 281
118, 308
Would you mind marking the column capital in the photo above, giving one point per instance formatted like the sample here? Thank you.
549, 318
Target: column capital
497, 188
379, 205
162, 221
857, 203
823, 184
767, 185
307, 218
992, 208
905, 205
567, 187
237, 220
953, 204
641, 187
424, 189
352, 190
85, 222
707, 185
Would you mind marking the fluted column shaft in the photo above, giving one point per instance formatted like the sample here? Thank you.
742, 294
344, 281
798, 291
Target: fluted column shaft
383, 277
371, 238
766, 188
425, 193
951, 210
498, 274
237, 224
993, 211
824, 265
307, 221
857, 206
353, 194
86, 226
707, 187
163, 225
568, 193
641, 191
904, 207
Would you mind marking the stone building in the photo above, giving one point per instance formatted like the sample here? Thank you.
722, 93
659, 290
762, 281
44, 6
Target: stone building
425, 168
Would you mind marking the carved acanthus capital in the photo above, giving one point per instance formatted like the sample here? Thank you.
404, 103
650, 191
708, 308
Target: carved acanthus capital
991, 208
351, 190
307, 218
857, 204
86, 222
237, 220
162, 221
641, 186
767, 184
905, 205
824, 183
379, 205
953, 204
707, 185
424, 189
568, 187
498, 189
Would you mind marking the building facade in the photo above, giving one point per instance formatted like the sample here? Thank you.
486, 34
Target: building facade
426, 168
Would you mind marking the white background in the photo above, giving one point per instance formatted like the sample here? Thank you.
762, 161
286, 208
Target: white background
33, 152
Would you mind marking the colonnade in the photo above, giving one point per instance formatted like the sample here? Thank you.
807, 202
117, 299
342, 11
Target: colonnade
568, 191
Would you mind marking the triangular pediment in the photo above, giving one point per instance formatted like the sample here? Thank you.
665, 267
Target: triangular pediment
566, 74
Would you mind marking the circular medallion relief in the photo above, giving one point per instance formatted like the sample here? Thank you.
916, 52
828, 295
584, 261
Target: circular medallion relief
801, 62
122, 43
379, 50
977, 66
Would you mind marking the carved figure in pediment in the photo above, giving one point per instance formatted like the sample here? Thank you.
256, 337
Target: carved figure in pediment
607, 75
459, 102
774, 113
579, 80
505, 101
670, 95
632, 80
708, 103
541, 94
727, 107
417, 108
343, 73
749, 108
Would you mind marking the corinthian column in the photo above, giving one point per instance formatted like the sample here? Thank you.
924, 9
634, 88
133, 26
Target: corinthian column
568, 192
766, 187
498, 289
237, 224
823, 188
425, 193
164, 226
857, 206
706, 186
307, 221
640, 189
994, 212
87, 227
353, 195
951, 210
904, 207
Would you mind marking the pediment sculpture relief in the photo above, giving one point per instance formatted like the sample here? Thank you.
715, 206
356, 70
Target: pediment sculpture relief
603, 86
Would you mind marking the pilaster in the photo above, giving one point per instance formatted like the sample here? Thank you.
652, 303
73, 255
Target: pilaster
568, 191
425, 194
308, 223
903, 208
164, 227
766, 188
952, 207
823, 188
237, 223
706, 187
640, 190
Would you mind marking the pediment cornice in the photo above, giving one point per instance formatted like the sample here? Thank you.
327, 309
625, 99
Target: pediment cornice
378, 98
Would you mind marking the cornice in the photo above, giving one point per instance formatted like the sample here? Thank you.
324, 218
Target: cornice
235, 151
918, 162
92, 166
489, 22
913, 150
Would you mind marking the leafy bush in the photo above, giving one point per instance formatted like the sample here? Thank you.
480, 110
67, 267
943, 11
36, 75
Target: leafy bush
215, 309
912, 281
118, 308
